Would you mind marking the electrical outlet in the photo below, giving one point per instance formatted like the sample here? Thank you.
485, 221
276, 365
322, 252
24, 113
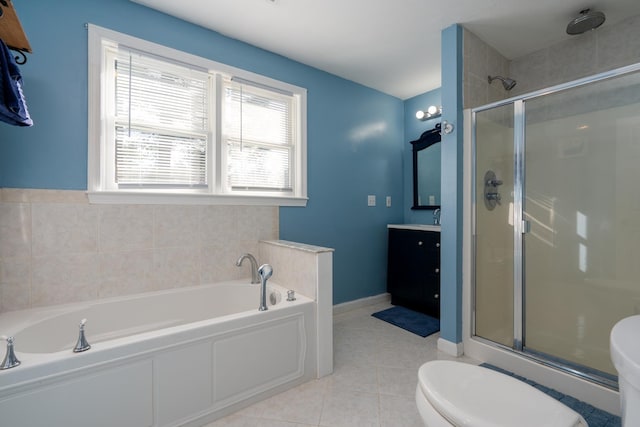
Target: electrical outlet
388, 201
371, 200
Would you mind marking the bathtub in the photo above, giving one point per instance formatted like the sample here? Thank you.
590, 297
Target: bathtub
180, 357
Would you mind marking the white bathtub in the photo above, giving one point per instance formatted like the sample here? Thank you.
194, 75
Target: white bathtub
168, 358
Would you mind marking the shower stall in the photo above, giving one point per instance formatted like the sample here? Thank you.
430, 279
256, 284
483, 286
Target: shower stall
555, 222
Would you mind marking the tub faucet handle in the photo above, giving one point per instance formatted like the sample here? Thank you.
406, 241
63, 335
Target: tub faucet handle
10, 359
82, 344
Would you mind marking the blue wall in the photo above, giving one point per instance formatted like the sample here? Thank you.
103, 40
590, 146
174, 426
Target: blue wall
356, 139
451, 187
413, 128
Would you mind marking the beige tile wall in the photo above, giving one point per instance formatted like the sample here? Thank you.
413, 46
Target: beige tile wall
295, 265
481, 60
608, 47
57, 248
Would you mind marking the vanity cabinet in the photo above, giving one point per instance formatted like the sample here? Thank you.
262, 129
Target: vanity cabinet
413, 269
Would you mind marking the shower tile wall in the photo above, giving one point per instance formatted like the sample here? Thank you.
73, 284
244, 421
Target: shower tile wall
56, 248
608, 47
480, 61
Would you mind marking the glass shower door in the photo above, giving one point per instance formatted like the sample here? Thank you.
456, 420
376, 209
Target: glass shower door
581, 201
494, 185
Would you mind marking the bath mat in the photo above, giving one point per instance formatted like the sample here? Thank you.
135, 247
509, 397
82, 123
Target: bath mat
412, 321
593, 416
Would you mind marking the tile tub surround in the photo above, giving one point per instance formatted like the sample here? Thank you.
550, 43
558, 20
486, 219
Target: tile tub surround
307, 270
57, 248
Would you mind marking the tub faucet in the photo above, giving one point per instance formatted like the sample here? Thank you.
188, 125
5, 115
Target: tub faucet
255, 278
436, 216
265, 272
81, 344
10, 359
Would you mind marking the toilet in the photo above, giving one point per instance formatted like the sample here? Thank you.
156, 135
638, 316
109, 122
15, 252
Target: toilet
625, 355
458, 394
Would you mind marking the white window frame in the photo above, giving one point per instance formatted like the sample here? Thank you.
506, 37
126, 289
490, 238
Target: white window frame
101, 187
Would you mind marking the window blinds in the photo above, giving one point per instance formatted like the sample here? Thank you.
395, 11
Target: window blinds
258, 132
161, 127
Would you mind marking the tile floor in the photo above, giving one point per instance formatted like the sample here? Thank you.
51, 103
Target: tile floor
373, 384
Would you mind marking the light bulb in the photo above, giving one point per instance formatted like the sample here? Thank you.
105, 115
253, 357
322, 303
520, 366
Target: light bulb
420, 114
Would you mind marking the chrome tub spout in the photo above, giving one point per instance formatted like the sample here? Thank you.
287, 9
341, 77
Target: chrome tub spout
255, 278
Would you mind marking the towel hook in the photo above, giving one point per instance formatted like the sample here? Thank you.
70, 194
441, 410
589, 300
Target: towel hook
19, 56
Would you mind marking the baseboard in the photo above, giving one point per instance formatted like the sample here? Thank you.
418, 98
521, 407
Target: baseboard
359, 303
451, 348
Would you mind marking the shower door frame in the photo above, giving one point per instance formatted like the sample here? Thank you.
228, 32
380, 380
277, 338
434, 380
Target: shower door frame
520, 226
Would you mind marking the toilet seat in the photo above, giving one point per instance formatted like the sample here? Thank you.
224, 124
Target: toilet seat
469, 395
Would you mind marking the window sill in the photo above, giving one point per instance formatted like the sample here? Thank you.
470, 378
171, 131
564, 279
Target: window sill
142, 198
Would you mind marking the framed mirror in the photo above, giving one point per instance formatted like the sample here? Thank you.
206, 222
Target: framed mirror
426, 170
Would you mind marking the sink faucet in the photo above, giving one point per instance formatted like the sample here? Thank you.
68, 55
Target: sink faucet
436, 216
265, 272
255, 278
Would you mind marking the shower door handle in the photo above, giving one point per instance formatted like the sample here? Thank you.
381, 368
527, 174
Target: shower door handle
526, 226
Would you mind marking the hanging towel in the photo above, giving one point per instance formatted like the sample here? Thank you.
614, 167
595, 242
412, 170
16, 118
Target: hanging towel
13, 108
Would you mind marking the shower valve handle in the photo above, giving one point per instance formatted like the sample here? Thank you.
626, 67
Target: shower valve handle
494, 196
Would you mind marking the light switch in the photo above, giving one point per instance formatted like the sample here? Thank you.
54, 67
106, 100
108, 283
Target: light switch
388, 201
371, 200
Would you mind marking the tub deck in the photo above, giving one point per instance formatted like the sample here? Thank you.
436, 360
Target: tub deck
190, 371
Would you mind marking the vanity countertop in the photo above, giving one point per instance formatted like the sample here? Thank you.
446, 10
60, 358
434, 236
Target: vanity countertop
419, 227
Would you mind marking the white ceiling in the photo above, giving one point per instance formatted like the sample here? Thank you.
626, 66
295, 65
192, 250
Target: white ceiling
390, 45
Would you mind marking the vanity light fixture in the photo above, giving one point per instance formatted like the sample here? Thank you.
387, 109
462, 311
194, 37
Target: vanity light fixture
431, 113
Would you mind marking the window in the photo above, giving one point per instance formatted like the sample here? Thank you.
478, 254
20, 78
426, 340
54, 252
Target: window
169, 127
259, 138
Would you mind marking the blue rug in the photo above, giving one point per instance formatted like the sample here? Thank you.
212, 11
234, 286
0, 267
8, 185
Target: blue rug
412, 321
593, 416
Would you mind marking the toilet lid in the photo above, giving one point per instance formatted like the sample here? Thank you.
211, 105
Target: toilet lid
473, 396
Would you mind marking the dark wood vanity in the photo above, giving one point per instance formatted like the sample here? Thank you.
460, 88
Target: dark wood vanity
413, 267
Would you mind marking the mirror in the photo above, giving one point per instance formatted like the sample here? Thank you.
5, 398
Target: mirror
426, 170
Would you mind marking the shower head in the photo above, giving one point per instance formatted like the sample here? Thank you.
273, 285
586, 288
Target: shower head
507, 83
587, 20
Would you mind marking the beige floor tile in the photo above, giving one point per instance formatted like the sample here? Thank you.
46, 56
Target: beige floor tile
397, 381
302, 404
350, 409
399, 411
373, 383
